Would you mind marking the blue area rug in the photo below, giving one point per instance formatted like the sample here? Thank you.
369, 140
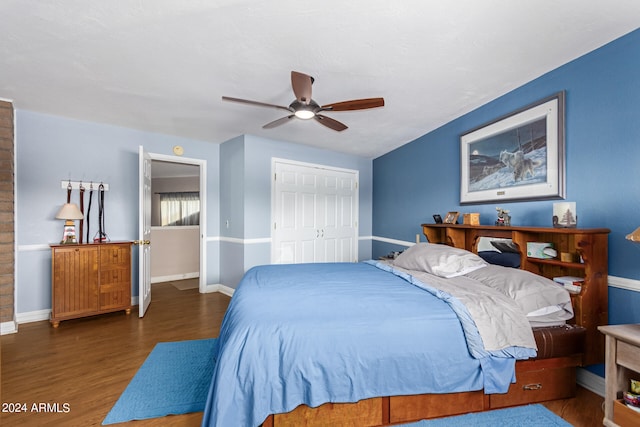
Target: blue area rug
174, 379
520, 416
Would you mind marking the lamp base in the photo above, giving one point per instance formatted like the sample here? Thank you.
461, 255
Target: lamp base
69, 233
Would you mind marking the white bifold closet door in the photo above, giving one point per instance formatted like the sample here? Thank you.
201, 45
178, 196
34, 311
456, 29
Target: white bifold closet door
315, 211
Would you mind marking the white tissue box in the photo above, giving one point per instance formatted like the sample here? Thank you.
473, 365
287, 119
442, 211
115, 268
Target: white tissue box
540, 250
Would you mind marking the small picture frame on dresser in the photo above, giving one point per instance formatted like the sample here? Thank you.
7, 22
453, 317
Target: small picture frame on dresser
451, 218
437, 219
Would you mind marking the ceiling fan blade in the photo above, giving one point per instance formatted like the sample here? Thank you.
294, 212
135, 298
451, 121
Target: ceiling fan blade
278, 122
356, 104
301, 84
330, 123
259, 104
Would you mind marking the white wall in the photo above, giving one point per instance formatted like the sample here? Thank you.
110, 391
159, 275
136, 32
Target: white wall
175, 253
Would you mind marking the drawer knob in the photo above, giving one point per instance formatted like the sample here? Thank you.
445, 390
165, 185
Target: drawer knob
537, 386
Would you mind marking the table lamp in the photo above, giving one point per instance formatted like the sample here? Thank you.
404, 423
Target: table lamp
634, 236
69, 212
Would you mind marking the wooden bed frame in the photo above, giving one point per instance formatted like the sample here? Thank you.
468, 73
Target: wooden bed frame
538, 380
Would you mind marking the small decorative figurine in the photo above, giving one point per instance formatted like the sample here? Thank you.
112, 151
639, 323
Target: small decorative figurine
503, 217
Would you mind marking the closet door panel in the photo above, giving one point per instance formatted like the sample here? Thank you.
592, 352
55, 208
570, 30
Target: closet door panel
315, 212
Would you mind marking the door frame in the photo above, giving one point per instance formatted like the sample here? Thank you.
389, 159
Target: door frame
356, 210
202, 164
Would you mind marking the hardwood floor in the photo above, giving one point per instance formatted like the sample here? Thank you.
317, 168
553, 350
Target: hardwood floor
85, 364
584, 410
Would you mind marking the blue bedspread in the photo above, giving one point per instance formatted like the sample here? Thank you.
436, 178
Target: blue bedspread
317, 333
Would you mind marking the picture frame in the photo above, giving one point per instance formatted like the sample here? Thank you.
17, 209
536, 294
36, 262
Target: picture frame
520, 156
451, 218
565, 215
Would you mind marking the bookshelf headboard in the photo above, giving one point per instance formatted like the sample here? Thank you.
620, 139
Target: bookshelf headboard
589, 250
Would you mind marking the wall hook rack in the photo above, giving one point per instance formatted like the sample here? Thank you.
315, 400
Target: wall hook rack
88, 185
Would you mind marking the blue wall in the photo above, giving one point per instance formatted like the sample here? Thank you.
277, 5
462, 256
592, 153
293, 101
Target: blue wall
602, 164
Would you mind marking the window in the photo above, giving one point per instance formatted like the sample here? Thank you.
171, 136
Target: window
181, 208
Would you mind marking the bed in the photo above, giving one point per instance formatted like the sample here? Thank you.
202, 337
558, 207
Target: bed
436, 332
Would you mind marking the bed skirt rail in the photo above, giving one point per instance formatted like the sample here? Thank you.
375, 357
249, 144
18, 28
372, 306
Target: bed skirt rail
538, 380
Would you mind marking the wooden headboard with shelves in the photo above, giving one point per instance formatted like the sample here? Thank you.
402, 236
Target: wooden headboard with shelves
591, 262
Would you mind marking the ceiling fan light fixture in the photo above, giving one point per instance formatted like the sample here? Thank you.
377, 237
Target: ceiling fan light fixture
305, 114
305, 108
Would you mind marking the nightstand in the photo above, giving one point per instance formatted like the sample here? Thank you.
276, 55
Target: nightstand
622, 354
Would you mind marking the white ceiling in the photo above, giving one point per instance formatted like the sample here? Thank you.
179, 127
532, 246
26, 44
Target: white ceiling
163, 65
162, 169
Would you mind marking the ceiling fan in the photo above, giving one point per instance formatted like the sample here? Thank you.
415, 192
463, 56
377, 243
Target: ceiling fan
305, 108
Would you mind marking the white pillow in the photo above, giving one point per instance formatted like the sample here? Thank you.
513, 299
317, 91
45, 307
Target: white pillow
439, 260
484, 245
538, 296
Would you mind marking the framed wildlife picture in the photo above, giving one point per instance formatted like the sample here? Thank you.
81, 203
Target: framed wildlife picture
519, 156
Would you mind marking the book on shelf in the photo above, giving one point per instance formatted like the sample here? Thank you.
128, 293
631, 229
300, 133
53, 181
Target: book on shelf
570, 283
635, 408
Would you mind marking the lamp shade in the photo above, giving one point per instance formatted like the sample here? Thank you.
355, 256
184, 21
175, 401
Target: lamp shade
634, 236
69, 211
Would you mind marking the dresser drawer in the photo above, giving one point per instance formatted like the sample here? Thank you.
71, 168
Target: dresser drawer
537, 386
624, 416
115, 276
115, 256
627, 356
416, 407
114, 296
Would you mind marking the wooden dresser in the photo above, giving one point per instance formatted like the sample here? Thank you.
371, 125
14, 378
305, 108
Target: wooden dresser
89, 279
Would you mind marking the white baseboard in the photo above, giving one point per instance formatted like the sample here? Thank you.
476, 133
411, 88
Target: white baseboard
211, 288
8, 328
590, 381
184, 276
33, 316
226, 290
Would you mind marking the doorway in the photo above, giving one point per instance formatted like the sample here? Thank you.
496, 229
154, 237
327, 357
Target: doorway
178, 247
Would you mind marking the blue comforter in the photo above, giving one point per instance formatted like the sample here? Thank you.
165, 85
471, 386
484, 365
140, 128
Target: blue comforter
317, 333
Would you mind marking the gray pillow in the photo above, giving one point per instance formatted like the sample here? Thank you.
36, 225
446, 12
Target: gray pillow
439, 260
536, 295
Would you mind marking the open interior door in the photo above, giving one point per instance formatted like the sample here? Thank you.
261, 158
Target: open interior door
144, 232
